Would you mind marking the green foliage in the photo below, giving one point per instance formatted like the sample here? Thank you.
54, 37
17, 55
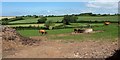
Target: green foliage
19, 18
42, 20
5, 21
69, 19
49, 24
28, 16
61, 26
35, 16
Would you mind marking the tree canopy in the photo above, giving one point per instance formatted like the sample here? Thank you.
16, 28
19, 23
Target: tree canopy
42, 20
69, 19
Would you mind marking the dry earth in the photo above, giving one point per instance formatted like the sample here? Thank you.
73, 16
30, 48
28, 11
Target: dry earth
37, 47
54, 49
1, 17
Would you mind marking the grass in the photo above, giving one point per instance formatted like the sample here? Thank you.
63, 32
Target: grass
110, 34
101, 18
26, 20
26, 25
81, 18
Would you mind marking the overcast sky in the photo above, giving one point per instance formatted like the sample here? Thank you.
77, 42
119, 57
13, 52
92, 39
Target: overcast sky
57, 7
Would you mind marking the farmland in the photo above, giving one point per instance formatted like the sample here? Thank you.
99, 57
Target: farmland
59, 41
63, 37
34, 32
80, 18
108, 34
60, 30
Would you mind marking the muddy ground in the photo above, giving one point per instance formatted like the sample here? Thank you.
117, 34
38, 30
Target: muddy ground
37, 47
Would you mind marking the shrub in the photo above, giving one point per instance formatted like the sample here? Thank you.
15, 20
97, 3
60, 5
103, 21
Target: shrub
69, 19
19, 18
42, 20
49, 24
5, 21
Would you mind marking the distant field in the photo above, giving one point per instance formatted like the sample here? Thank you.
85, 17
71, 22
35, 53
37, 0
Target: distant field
99, 18
80, 18
26, 25
56, 24
6, 17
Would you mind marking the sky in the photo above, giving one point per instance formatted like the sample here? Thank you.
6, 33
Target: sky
16, 8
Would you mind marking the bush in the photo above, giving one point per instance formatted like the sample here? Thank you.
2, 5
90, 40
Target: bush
35, 16
69, 19
59, 26
19, 18
5, 21
49, 24
42, 20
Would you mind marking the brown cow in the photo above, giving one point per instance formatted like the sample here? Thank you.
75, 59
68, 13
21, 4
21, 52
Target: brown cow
42, 31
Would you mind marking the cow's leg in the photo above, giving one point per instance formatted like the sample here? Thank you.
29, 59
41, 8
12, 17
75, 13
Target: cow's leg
42, 33
45, 32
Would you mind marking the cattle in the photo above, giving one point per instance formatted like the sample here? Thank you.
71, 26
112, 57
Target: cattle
106, 23
42, 31
78, 30
75, 30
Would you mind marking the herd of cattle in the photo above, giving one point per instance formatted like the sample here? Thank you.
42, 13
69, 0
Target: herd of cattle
76, 30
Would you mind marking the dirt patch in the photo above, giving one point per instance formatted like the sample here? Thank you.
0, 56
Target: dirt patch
54, 49
12, 41
97, 31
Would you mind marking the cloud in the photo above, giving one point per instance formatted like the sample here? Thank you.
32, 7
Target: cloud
106, 5
103, 6
104, 0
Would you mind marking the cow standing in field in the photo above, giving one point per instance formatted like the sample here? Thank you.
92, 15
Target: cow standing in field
42, 31
78, 31
75, 30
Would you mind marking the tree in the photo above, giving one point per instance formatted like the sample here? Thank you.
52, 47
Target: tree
42, 20
49, 24
73, 19
69, 19
28, 16
66, 20
35, 16
19, 18
5, 21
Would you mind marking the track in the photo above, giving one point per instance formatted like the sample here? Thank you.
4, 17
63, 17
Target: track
58, 49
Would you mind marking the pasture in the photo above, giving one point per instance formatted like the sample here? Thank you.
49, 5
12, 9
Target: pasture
80, 18
110, 33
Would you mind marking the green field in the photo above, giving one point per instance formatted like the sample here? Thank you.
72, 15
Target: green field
110, 34
80, 18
